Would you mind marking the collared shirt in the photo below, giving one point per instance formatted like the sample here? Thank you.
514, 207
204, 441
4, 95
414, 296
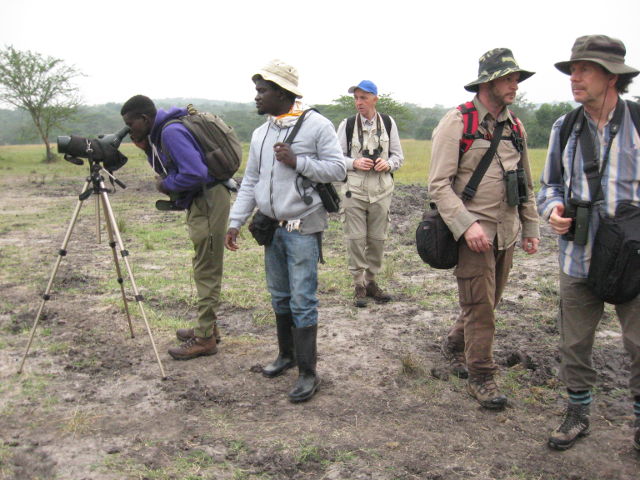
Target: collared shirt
620, 182
449, 174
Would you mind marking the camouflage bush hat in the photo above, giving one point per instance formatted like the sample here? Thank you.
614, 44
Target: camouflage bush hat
281, 74
494, 64
605, 51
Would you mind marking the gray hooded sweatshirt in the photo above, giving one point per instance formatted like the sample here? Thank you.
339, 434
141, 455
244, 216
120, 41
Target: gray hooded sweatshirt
277, 189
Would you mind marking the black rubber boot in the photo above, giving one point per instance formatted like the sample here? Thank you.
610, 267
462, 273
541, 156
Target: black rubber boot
308, 381
285, 360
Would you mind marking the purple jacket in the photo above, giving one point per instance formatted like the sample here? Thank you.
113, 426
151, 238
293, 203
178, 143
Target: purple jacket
187, 171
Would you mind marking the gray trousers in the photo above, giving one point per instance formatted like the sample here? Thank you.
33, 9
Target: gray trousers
365, 229
580, 314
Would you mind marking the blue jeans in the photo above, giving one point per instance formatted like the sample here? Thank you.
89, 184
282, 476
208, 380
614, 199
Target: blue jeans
291, 265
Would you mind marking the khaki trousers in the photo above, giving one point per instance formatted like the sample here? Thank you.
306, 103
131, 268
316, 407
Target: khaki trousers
207, 223
481, 281
580, 314
365, 229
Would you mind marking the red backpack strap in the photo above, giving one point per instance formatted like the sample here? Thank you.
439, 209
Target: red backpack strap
516, 135
470, 122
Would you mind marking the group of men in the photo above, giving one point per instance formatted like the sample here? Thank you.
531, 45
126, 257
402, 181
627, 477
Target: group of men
480, 180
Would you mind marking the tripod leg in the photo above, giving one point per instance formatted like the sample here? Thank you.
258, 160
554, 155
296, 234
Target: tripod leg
98, 238
61, 253
112, 219
112, 244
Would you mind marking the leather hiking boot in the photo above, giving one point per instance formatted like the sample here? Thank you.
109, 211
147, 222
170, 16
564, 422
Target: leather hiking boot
456, 359
308, 381
575, 424
285, 360
184, 334
636, 437
484, 389
194, 347
375, 292
360, 297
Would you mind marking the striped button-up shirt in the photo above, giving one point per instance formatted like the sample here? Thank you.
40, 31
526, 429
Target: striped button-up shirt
620, 182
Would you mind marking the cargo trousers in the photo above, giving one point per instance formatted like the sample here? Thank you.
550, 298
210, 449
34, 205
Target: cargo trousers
580, 314
365, 227
207, 219
481, 280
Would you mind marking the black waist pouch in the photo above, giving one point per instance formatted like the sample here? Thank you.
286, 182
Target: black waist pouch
614, 274
262, 228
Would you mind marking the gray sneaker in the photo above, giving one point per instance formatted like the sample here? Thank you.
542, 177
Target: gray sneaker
575, 424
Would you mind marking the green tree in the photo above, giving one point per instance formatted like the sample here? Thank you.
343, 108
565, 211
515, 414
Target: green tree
343, 107
39, 85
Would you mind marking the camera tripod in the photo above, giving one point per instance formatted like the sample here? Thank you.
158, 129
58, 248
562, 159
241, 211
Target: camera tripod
94, 184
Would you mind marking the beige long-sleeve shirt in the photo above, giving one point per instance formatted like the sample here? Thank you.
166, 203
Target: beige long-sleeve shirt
449, 175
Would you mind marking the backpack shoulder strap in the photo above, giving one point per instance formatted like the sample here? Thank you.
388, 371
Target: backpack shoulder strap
567, 127
516, 134
351, 122
386, 119
470, 122
634, 110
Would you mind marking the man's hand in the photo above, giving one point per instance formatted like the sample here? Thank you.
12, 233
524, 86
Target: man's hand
284, 154
530, 244
382, 165
231, 239
160, 186
476, 239
559, 224
363, 164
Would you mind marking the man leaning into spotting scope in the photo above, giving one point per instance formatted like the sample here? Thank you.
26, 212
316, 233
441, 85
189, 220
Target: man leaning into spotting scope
176, 157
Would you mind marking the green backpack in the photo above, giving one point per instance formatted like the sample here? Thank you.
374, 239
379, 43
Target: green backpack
219, 143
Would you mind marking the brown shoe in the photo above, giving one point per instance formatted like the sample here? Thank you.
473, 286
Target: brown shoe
184, 334
456, 359
375, 292
360, 297
484, 389
575, 424
194, 347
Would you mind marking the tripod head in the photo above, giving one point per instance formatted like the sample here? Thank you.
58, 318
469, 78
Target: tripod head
95, 172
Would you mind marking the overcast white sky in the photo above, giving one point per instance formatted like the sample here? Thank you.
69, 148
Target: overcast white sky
418, 51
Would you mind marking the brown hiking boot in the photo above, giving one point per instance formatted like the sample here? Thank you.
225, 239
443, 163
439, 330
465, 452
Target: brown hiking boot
194, 347
360, 297
375, 292
484, 389
575, 424
456, 359
184, 334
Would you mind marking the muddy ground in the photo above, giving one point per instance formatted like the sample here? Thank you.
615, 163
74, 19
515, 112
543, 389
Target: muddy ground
90, 403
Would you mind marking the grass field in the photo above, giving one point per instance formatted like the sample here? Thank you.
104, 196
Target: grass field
26, 159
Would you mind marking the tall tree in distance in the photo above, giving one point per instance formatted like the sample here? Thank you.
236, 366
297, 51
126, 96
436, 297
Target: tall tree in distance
41, 86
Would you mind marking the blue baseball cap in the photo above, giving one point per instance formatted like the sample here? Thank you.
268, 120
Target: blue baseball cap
366, 85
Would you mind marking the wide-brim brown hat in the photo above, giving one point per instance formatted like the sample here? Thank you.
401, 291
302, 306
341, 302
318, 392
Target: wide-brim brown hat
494, 64
605, 51
281, 74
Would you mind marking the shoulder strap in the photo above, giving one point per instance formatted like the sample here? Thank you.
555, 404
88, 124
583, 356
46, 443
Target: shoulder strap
634, 110
471, 188
297, 126
567, 127
470, 121
351, 122
386, 119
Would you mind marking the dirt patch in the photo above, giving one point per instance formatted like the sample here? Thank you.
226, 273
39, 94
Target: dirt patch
91, 404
